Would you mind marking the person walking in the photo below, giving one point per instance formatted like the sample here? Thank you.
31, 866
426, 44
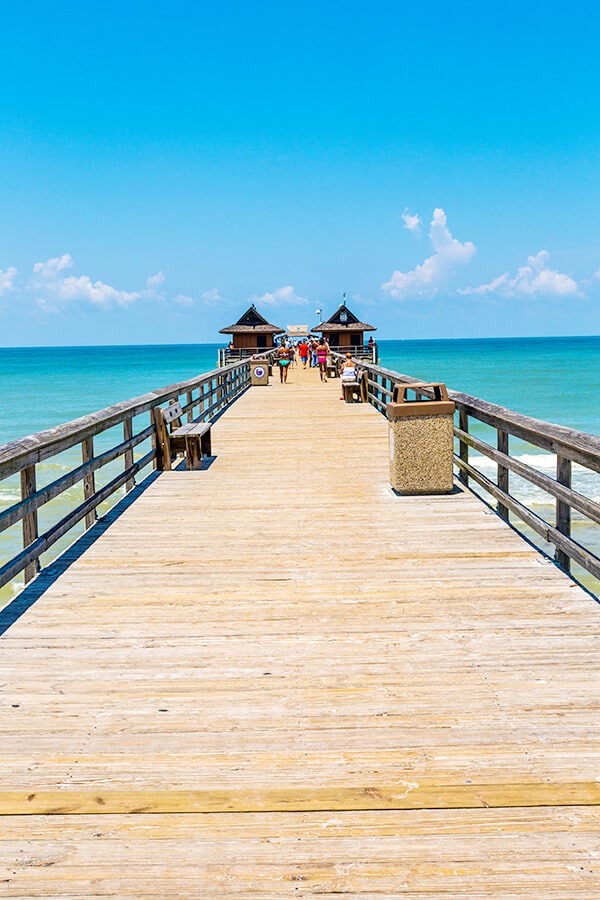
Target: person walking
303, 351
313, 354
283, 359
322, 354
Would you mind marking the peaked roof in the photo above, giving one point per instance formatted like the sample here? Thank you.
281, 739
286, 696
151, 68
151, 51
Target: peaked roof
334, 323
252, 321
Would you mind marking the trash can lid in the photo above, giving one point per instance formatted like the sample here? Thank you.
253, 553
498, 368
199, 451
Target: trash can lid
438, 405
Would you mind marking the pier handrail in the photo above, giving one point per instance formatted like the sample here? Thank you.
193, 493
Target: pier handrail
567, 444
204, 397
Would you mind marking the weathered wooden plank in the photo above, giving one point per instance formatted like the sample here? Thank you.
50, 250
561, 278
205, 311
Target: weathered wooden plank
409, 795
524, 853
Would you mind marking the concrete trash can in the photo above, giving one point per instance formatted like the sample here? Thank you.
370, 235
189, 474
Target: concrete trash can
421, 440
259, 371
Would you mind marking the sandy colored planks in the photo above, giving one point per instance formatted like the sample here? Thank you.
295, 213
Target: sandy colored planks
479, 854
280, 631
407, 795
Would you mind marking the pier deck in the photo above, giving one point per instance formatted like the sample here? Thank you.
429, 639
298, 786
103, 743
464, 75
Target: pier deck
276, 678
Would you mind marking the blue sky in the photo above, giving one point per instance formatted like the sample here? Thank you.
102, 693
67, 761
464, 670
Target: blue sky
164, 165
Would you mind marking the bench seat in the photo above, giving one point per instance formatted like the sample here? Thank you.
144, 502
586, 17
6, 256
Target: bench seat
193, 439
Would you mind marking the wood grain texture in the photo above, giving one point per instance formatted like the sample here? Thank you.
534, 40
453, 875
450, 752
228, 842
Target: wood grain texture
281, 632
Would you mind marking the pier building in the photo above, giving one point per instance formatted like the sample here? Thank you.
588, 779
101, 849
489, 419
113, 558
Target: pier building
249, 335
345, 333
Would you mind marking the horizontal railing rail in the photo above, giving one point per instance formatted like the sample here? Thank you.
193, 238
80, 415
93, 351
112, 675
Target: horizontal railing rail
567, 445
228, 355
202, 398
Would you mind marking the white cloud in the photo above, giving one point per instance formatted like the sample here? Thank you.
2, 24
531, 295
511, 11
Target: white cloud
52, 267
436, 271
283, 296
411, 223
54, 290
532, 280
155, 280
212, 296
7, 279
95, 292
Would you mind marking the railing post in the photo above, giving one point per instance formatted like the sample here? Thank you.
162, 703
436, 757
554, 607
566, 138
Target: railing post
153, 440
463, 447
89, 481
128, 455
503, 474
189, 400
563, 511
30, 521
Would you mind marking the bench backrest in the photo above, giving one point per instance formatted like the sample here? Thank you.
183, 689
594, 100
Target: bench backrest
172, 412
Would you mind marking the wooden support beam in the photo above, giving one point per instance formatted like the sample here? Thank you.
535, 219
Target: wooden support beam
128, 455
463, 449
89, 481
503, 474
563, 510
30, 521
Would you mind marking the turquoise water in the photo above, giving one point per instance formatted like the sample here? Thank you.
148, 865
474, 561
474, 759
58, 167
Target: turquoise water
554, 379
42, 387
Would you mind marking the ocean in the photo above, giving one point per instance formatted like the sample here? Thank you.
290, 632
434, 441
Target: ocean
554, 379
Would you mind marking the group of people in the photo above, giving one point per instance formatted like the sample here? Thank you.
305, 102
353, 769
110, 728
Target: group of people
313, 353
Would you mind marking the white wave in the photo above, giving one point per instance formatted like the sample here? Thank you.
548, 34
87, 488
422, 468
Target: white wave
584, 481
8, 493
543, 462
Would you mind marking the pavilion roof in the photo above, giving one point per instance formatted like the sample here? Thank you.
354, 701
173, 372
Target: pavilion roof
352, 323
251, 322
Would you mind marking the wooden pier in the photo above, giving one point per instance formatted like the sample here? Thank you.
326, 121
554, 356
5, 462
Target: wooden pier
275, 678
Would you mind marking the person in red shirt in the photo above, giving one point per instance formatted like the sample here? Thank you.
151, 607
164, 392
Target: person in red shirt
303, 351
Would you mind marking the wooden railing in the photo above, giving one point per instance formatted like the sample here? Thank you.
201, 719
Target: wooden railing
567, 445
202, 399
366, 352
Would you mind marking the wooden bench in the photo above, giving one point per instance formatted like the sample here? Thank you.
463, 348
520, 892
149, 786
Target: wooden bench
350, 390
357, 388
193, 439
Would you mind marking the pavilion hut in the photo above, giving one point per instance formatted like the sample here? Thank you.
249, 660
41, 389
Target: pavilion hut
250, 334
345, 333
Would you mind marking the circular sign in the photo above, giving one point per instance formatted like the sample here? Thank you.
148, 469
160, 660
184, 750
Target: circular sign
259, 372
